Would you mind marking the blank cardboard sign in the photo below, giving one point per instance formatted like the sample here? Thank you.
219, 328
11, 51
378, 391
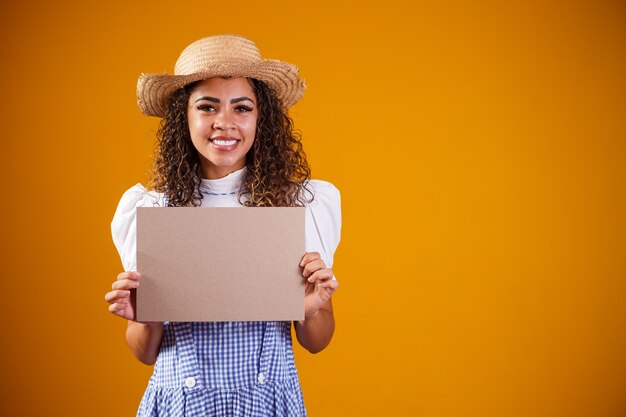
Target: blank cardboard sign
220, 264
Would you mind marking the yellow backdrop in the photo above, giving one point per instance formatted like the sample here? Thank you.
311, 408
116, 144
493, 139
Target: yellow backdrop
480, 148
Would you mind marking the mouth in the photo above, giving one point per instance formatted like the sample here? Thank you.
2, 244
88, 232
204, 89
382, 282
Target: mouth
222, 143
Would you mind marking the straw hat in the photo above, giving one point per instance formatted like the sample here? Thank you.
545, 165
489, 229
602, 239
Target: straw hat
219, 56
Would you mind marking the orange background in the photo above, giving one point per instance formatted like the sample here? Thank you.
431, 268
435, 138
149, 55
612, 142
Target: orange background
480, 148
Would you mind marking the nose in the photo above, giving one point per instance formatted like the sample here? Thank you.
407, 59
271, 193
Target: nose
222, 121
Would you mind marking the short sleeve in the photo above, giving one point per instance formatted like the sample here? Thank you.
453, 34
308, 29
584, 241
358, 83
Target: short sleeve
323, 220
124, 224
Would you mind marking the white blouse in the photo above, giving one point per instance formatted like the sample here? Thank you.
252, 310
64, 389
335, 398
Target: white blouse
322, 219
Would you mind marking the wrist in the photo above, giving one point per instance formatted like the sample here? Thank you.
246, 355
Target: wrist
148, 325
309, 316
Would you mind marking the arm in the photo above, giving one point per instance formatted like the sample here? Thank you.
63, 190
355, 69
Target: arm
314, 333
144, 339
316, 330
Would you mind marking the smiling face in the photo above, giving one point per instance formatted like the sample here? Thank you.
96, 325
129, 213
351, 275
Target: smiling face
222, 115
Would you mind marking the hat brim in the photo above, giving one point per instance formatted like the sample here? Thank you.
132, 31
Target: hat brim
154, 90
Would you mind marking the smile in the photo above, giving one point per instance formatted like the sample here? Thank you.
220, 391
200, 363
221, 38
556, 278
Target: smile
224, 144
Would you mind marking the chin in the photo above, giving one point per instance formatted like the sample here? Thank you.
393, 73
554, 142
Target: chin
227, 163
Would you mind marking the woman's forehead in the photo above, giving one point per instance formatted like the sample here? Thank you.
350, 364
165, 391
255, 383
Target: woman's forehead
224, 86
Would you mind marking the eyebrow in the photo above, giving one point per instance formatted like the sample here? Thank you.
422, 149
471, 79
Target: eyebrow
232, 101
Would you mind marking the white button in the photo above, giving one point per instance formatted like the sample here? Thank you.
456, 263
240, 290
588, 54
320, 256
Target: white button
190, 382
261, 378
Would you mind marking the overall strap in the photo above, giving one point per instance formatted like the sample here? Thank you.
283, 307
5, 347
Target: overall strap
189, 375
267, 348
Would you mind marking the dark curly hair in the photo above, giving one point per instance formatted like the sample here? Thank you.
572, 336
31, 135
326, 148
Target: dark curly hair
277, 172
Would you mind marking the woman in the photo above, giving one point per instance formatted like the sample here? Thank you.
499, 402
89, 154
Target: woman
226, 140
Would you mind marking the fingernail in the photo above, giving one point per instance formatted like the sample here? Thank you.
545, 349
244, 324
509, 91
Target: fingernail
311, 279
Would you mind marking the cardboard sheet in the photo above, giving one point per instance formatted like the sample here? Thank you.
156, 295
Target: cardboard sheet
220, 264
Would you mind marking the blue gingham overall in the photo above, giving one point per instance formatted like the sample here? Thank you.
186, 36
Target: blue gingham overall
224, 369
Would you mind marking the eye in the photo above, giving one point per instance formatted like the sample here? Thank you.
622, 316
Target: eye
243, 108
206, 107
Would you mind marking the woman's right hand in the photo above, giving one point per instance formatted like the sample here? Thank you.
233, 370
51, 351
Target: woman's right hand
123, 295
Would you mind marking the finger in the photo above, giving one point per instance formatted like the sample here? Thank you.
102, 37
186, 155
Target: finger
116, 295
321, 275
331, 284
129, 275
312, 266
308, 257
125, 284
117, 308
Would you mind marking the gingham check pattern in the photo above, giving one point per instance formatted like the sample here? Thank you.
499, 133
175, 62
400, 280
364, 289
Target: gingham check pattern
237, 368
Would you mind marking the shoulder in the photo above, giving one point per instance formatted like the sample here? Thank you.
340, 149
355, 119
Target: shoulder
323, 192
323, 219
125, 213
324, 202
139, 196
123, 228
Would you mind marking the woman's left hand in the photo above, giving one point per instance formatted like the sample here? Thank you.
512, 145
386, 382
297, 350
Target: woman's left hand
320, 285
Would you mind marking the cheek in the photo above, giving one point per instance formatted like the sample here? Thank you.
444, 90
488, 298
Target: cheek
191, 123
250, 128
197, 128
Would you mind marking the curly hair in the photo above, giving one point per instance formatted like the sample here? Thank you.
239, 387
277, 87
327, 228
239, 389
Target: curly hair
277, 170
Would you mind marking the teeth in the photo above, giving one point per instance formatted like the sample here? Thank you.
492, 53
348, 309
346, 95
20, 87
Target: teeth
224, 142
